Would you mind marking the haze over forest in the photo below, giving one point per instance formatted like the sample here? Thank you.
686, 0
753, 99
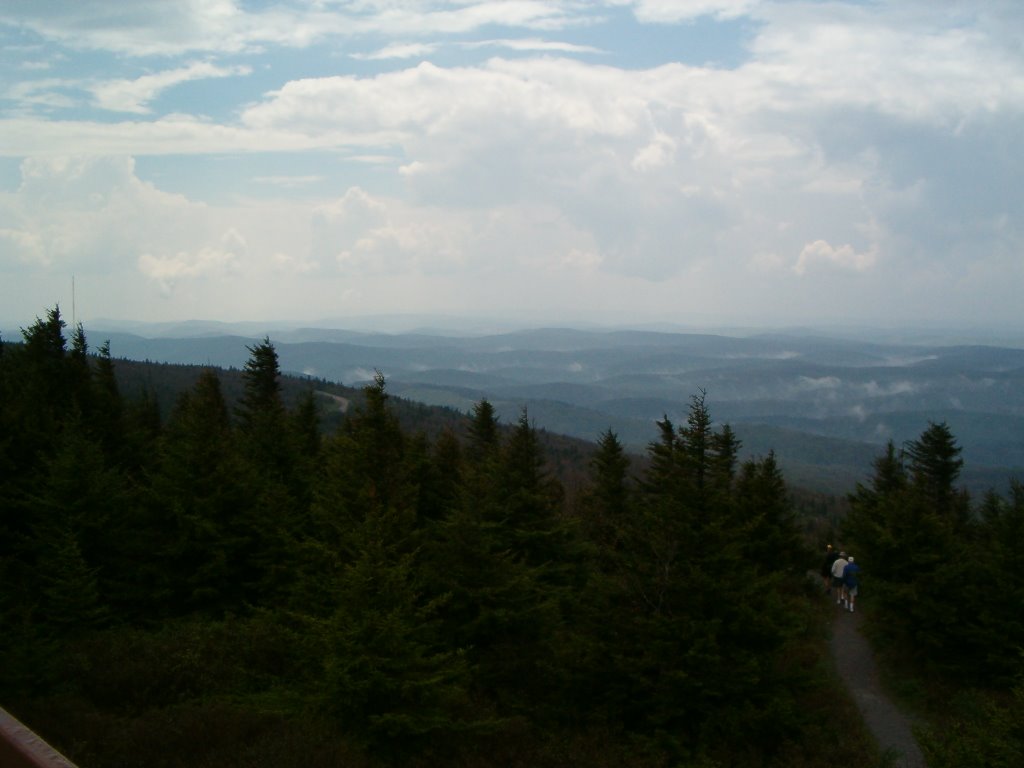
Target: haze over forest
825, 404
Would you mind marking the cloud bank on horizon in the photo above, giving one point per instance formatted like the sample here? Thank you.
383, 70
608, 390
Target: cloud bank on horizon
728, 161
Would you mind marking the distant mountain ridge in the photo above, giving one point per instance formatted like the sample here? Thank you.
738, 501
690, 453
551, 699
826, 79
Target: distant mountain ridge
825, 405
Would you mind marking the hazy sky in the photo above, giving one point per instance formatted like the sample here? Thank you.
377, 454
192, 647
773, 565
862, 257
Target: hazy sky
736, 161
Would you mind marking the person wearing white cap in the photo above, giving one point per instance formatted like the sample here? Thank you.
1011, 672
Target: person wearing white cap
850, 581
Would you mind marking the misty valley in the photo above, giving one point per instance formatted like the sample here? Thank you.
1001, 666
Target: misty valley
825, 405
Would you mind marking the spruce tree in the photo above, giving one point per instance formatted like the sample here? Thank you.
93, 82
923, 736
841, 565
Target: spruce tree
607, 503
915, 539
696, 621
767, 516
934, 465
388, 671
725, 448
998, 553
200, 509
269, 448
483, 430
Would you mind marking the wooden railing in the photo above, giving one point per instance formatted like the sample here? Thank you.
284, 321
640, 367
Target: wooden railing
21, 748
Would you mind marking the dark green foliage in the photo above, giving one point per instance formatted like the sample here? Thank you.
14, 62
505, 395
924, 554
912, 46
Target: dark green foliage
262, 425
690, 617
197, 513
941, 577
764, 510
607, 504
979, 731
934, 464
483, 430
268, 445
69, 596
386, 672
415, 597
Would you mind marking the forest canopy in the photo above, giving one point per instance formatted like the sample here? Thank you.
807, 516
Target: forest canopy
378, 596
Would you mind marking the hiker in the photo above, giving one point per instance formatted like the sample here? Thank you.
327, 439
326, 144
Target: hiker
851, 581
826, 567
837, 577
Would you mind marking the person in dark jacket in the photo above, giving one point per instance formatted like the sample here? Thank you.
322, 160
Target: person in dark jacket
826, 567
851, 581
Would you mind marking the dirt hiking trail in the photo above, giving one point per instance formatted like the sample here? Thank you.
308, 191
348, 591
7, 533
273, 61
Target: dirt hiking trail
856, 666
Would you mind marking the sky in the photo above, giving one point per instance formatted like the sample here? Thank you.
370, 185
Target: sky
748, 162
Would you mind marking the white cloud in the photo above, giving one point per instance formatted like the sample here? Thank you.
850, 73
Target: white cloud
35, 66
161, 28
167, 135
874, 389
93, 215
288, 182
366, 235
657, 154
287, 263
906, 61
25, 246
828, 170
844, 257
526, 44
673, 11
49, 92
135, 95
220, 259
820, 383
398, 51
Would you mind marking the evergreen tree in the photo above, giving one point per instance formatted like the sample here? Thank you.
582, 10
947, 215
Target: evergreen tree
363, 472
448, 466
199, 509
46, 352
530, 499
483, 431
608, 500
78, 372
663, 472
108, 418
725, 448
934, 466
69, 589
261, 413
270, 450
382, 445
694, 620
696, 441
40, 390
388, 671
305, 426
998, 631
767, 516
916, 542
875, 511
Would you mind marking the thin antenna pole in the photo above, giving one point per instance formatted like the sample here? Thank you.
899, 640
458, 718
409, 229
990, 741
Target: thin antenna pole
74, 314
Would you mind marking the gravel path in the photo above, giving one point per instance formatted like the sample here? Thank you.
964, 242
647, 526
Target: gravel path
856, 666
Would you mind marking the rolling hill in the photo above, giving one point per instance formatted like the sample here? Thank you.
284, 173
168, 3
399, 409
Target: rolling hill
825, 405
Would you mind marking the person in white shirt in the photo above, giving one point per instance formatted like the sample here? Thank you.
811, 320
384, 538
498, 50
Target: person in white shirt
837, 578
